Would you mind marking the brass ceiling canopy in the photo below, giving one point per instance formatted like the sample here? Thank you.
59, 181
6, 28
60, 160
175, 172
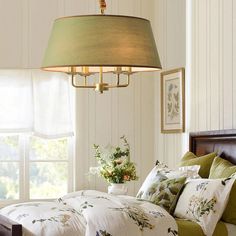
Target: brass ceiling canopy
89, 44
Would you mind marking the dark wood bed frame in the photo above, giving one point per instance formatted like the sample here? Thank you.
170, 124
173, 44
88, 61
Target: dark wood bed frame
223, 142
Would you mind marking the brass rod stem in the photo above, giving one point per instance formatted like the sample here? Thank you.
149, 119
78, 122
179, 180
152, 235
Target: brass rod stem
101, 75
73, 70
103, 6
118, 79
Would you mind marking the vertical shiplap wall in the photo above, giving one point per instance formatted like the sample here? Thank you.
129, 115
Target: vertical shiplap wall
210, 67
169, 20
102, 119
213, 77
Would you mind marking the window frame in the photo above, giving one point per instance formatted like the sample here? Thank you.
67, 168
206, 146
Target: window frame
24, 165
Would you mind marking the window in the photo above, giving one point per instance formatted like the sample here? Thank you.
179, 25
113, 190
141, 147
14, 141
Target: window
33, 168
9, 167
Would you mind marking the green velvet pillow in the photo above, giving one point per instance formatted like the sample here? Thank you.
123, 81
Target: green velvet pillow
223, 169
190, 159
188, 156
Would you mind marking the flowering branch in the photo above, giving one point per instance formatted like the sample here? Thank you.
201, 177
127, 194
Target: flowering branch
114, 163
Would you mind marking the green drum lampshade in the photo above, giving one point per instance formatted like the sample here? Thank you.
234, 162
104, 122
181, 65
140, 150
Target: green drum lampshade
85, 44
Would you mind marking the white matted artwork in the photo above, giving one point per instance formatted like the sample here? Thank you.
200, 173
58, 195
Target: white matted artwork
172, 101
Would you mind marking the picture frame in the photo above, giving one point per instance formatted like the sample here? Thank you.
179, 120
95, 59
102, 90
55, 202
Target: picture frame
173, 101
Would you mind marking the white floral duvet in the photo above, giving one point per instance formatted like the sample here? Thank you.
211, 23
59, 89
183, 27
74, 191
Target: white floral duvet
92, 213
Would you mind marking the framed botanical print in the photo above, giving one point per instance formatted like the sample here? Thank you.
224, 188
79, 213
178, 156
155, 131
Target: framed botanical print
173, 101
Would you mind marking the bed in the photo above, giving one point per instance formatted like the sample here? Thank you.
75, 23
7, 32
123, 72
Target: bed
223, 142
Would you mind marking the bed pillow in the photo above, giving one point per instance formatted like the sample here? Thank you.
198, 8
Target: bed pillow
222, 169
164, 193
190, 159
161, 172
156, 175
203, 201
229, 214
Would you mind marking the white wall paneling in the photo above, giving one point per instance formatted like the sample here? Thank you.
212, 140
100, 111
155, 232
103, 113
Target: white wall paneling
211, 63
11, 40
227, 62
40, 14
234, 64
213, 76
25, 29
169, 20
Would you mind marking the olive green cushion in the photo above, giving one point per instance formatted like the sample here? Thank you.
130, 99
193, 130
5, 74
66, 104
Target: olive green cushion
221, 168
188, 156
224, 169
186, 228
229, 214
190, 159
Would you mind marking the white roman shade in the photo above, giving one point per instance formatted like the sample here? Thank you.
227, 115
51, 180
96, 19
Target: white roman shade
35, 101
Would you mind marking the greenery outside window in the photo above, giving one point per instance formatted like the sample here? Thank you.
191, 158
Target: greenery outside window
32, 168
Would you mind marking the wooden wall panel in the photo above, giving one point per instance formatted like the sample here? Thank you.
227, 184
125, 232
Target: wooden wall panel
211, 69
216, 98
169, 20
227, 63
234, 64
159, 31
210, 72
41, 17
11, 39
214, 64
202, 57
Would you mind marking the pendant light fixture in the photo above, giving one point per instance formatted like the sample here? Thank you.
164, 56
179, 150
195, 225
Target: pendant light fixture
89, 44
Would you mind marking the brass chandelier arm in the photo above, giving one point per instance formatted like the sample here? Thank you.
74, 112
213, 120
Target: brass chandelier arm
80, 86
100, 86
118, 85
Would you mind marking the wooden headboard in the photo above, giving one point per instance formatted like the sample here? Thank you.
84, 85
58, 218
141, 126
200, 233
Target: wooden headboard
221, 141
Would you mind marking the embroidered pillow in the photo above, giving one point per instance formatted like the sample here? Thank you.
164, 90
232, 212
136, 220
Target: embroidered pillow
165, 193
203, 201
161, 172
156, 175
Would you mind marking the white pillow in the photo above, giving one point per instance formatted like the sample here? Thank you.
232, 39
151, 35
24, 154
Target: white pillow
203, 201
155, 175
191, 172
161, 172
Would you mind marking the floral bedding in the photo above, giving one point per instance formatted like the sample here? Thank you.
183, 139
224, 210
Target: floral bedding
92, 213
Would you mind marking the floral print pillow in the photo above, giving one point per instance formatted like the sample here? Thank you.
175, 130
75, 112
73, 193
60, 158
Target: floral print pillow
203, 201
164, 192
160, 173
